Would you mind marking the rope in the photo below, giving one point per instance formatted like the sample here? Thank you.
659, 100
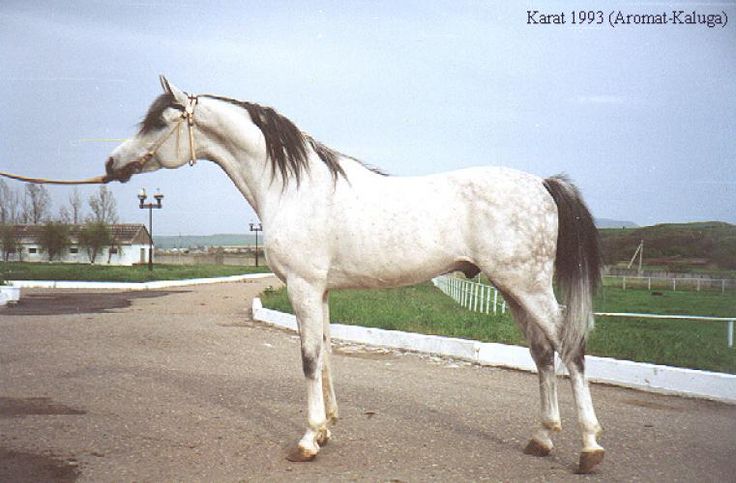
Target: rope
25, 179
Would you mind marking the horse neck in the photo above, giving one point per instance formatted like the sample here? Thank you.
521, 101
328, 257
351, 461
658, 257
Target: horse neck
236, 144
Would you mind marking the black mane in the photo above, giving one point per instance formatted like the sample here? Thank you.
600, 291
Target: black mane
285, 143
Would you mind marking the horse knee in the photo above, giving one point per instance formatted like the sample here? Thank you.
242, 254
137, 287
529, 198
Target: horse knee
311, 360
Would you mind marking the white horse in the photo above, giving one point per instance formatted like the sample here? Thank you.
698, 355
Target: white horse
326, 215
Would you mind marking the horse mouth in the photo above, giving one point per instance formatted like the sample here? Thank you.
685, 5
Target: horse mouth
123, 175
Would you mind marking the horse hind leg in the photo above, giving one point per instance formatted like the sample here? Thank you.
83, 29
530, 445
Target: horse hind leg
543, 354
542, 310
592, 453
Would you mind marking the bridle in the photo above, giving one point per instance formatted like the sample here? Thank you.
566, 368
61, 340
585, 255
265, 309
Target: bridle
187, 115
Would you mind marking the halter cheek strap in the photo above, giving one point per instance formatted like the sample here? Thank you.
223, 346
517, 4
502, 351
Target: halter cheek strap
187, 115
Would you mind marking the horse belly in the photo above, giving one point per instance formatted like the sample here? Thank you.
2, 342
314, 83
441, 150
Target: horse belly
396, 244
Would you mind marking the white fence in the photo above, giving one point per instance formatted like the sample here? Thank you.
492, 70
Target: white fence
671, 283
474, 296
479, 297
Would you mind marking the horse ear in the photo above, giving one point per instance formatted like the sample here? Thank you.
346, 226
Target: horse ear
164, 84
169, 88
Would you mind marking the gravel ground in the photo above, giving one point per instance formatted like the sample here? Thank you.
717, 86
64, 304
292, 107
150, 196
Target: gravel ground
182, 385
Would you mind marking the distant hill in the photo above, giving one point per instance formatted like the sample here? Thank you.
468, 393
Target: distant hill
709, 245
194, 241
606, 223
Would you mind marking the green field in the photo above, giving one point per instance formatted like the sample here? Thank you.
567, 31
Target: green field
423, 308
680, 247
107, 273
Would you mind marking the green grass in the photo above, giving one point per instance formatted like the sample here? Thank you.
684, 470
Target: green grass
106, 273
424, 309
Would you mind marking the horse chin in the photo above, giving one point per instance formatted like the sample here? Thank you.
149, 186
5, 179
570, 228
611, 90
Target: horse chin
125, 177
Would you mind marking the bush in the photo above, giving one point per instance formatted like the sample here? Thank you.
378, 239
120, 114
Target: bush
54, 239
93, 237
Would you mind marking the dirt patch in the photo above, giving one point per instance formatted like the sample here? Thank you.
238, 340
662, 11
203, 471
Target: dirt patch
20, 466
77, 302
14, 407
651, 405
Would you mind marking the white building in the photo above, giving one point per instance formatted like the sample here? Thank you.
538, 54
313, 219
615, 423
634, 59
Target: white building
131, 246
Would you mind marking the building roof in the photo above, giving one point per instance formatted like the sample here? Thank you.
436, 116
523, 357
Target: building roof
124, 233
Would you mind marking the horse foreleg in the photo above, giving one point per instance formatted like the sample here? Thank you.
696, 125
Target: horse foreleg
307, 301
328, 389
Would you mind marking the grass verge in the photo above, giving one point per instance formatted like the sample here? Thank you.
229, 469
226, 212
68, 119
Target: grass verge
108, 273
424, 309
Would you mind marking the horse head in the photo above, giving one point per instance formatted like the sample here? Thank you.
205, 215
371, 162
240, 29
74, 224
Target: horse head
158, 143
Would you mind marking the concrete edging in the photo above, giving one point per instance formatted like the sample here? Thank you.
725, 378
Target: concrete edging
133, 285
637, 375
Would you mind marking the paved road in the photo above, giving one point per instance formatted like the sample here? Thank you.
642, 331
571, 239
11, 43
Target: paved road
182, 385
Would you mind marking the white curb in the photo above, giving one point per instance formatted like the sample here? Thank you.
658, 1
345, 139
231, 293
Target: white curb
637, 375
134, 285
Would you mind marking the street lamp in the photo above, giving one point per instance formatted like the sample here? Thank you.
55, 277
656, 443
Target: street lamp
142, 198
256, 227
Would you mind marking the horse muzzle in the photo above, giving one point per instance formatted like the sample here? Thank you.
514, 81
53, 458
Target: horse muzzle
123, 174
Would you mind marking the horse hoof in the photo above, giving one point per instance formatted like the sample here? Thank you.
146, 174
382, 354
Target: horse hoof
300, 455
323, 437
535, 448
589, 460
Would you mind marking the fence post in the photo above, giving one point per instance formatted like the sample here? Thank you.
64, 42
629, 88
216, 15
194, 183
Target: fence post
495, 300
624, 283
698, 285
475, 297
723, 286
649, 283
730, 333
674, 285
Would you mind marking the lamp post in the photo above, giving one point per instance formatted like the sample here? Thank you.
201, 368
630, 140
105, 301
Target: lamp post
142, 198
256, 227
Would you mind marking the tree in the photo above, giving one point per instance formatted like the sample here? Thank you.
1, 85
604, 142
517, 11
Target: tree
75, 206
54, 239
9, 204
36, 203
103, 206
8, 241
64, 215
93, 237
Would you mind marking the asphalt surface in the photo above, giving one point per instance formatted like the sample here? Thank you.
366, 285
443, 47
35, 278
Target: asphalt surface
182, 385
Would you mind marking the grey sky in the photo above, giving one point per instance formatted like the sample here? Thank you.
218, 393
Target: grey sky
641, 117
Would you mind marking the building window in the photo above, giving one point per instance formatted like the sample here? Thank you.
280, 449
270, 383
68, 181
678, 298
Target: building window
113, 251
33, 250
74, 250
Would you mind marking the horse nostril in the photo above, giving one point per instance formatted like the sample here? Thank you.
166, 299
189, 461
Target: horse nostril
108, 165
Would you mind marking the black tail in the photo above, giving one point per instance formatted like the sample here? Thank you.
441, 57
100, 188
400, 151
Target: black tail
578, 264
